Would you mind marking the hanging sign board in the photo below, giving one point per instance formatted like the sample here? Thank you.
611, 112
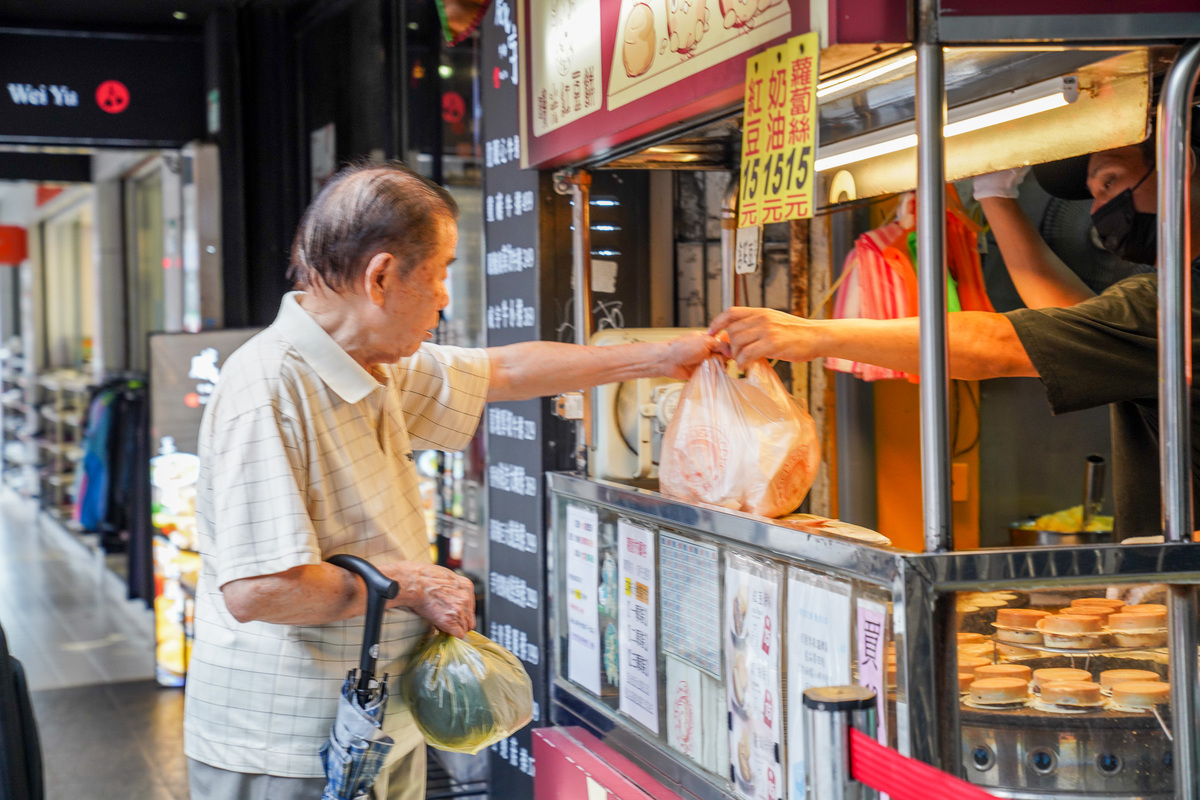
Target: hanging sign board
601, 74
779, 133
117, 90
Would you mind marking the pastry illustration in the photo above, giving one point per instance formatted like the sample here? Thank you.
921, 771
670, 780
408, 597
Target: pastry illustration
741, 602
741, 679
687, 21
639, 40
743, 759
741, 14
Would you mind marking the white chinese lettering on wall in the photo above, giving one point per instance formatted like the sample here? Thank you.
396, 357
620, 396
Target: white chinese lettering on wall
514, 589
513, 534
510, 314
502, 422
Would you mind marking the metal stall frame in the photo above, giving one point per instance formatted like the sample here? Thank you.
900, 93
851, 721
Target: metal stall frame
915, 582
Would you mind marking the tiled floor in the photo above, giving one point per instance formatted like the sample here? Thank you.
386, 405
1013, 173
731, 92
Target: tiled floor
107, 729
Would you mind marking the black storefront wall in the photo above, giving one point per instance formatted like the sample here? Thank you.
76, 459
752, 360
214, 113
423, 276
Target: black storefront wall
528, 283
101, 89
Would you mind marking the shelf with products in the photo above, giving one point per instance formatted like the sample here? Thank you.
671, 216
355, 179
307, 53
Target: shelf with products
62, 413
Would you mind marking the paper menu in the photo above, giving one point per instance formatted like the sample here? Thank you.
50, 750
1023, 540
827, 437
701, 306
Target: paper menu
752, 676
638, 643
819, 622
583, 625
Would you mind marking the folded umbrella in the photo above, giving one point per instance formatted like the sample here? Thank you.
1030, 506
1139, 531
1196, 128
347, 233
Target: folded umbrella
357, 746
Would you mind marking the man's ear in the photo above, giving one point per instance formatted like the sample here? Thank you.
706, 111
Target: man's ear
376, 276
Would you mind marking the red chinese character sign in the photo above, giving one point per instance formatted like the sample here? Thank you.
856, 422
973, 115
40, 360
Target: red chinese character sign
779, 133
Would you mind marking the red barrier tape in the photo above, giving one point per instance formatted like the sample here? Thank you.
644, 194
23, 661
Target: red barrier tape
903, 778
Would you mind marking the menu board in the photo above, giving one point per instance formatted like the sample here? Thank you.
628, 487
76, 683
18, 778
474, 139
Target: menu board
184, 371
583, 624
691, 601
818, 654
637, 640
516, 431
752, 676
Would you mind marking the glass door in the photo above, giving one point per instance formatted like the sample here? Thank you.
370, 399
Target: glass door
145, 265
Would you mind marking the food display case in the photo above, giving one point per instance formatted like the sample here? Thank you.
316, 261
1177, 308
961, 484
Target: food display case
685, 635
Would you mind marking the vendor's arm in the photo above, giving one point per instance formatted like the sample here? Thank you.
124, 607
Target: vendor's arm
981, 344
1040, 276
536, 369
315, 594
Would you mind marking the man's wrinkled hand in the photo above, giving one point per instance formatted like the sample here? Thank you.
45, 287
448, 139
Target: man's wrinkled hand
443, 598
683, 355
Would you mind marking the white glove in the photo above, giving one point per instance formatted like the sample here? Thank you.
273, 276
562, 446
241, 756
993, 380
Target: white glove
1004, 183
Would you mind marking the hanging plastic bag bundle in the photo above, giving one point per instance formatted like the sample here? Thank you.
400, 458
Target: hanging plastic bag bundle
466, 695
743, 444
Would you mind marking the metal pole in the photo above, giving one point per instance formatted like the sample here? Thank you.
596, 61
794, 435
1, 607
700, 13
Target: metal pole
931, 247
829, 714
1174, 397
581, 275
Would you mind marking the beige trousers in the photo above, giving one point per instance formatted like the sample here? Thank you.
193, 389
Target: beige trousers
404, 780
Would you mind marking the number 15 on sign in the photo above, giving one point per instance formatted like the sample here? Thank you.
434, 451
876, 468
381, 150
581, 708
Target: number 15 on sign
779, 133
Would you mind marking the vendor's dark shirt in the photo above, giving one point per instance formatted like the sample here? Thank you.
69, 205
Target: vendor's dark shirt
1105, 350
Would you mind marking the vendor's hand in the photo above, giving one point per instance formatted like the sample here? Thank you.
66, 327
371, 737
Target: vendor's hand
764, 333
443, 598
681, 356
1005, 183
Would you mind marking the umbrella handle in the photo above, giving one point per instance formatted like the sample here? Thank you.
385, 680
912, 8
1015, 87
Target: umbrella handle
380, 588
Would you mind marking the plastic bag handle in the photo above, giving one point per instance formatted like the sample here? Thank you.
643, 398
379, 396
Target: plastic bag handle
380, 588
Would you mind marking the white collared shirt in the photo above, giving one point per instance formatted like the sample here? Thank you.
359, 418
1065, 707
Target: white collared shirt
303, 455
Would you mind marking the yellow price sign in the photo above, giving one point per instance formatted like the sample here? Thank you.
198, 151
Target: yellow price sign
779, 133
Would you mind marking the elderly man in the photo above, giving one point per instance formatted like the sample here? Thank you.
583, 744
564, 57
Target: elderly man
306, 451
1088, 350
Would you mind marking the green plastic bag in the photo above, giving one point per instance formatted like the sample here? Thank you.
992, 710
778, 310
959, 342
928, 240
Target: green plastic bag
466, 695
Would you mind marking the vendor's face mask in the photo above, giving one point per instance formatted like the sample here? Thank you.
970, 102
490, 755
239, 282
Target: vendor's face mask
1126, 232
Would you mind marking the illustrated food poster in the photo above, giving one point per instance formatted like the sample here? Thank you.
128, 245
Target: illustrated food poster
818, 654
752, 676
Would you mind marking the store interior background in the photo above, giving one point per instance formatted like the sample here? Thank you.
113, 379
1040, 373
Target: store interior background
128, 241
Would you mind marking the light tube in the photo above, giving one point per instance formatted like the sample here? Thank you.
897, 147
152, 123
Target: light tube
837, 84
1042, 96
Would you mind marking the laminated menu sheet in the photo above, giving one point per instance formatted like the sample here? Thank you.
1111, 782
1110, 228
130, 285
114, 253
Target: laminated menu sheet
638, 644
583, 624
819, 625
752, 676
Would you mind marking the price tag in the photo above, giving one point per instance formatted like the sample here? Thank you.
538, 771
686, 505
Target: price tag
779, 133
747, 250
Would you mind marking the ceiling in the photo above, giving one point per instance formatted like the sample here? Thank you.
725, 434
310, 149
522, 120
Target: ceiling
100, 15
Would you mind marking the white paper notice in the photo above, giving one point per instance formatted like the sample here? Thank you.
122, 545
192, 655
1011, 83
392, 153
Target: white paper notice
683, 690
604, 276
752, 669
565, 62
638, 643
583, 624
818, 654
871, 639
747, 250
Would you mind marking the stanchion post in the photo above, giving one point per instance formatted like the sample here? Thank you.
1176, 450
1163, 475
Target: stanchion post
829, 714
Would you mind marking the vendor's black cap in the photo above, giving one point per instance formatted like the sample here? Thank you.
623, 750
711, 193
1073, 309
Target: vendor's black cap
839, 698
1066, 179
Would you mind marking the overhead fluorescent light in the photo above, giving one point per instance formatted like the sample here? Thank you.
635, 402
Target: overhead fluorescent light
1023, 102
862, 76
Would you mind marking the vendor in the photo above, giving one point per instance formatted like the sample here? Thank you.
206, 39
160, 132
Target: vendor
1089, 350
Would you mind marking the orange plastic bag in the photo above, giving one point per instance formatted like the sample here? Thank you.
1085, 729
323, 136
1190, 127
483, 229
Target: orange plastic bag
742, 444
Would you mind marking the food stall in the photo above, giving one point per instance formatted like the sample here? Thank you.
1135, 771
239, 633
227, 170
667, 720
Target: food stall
682, 635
